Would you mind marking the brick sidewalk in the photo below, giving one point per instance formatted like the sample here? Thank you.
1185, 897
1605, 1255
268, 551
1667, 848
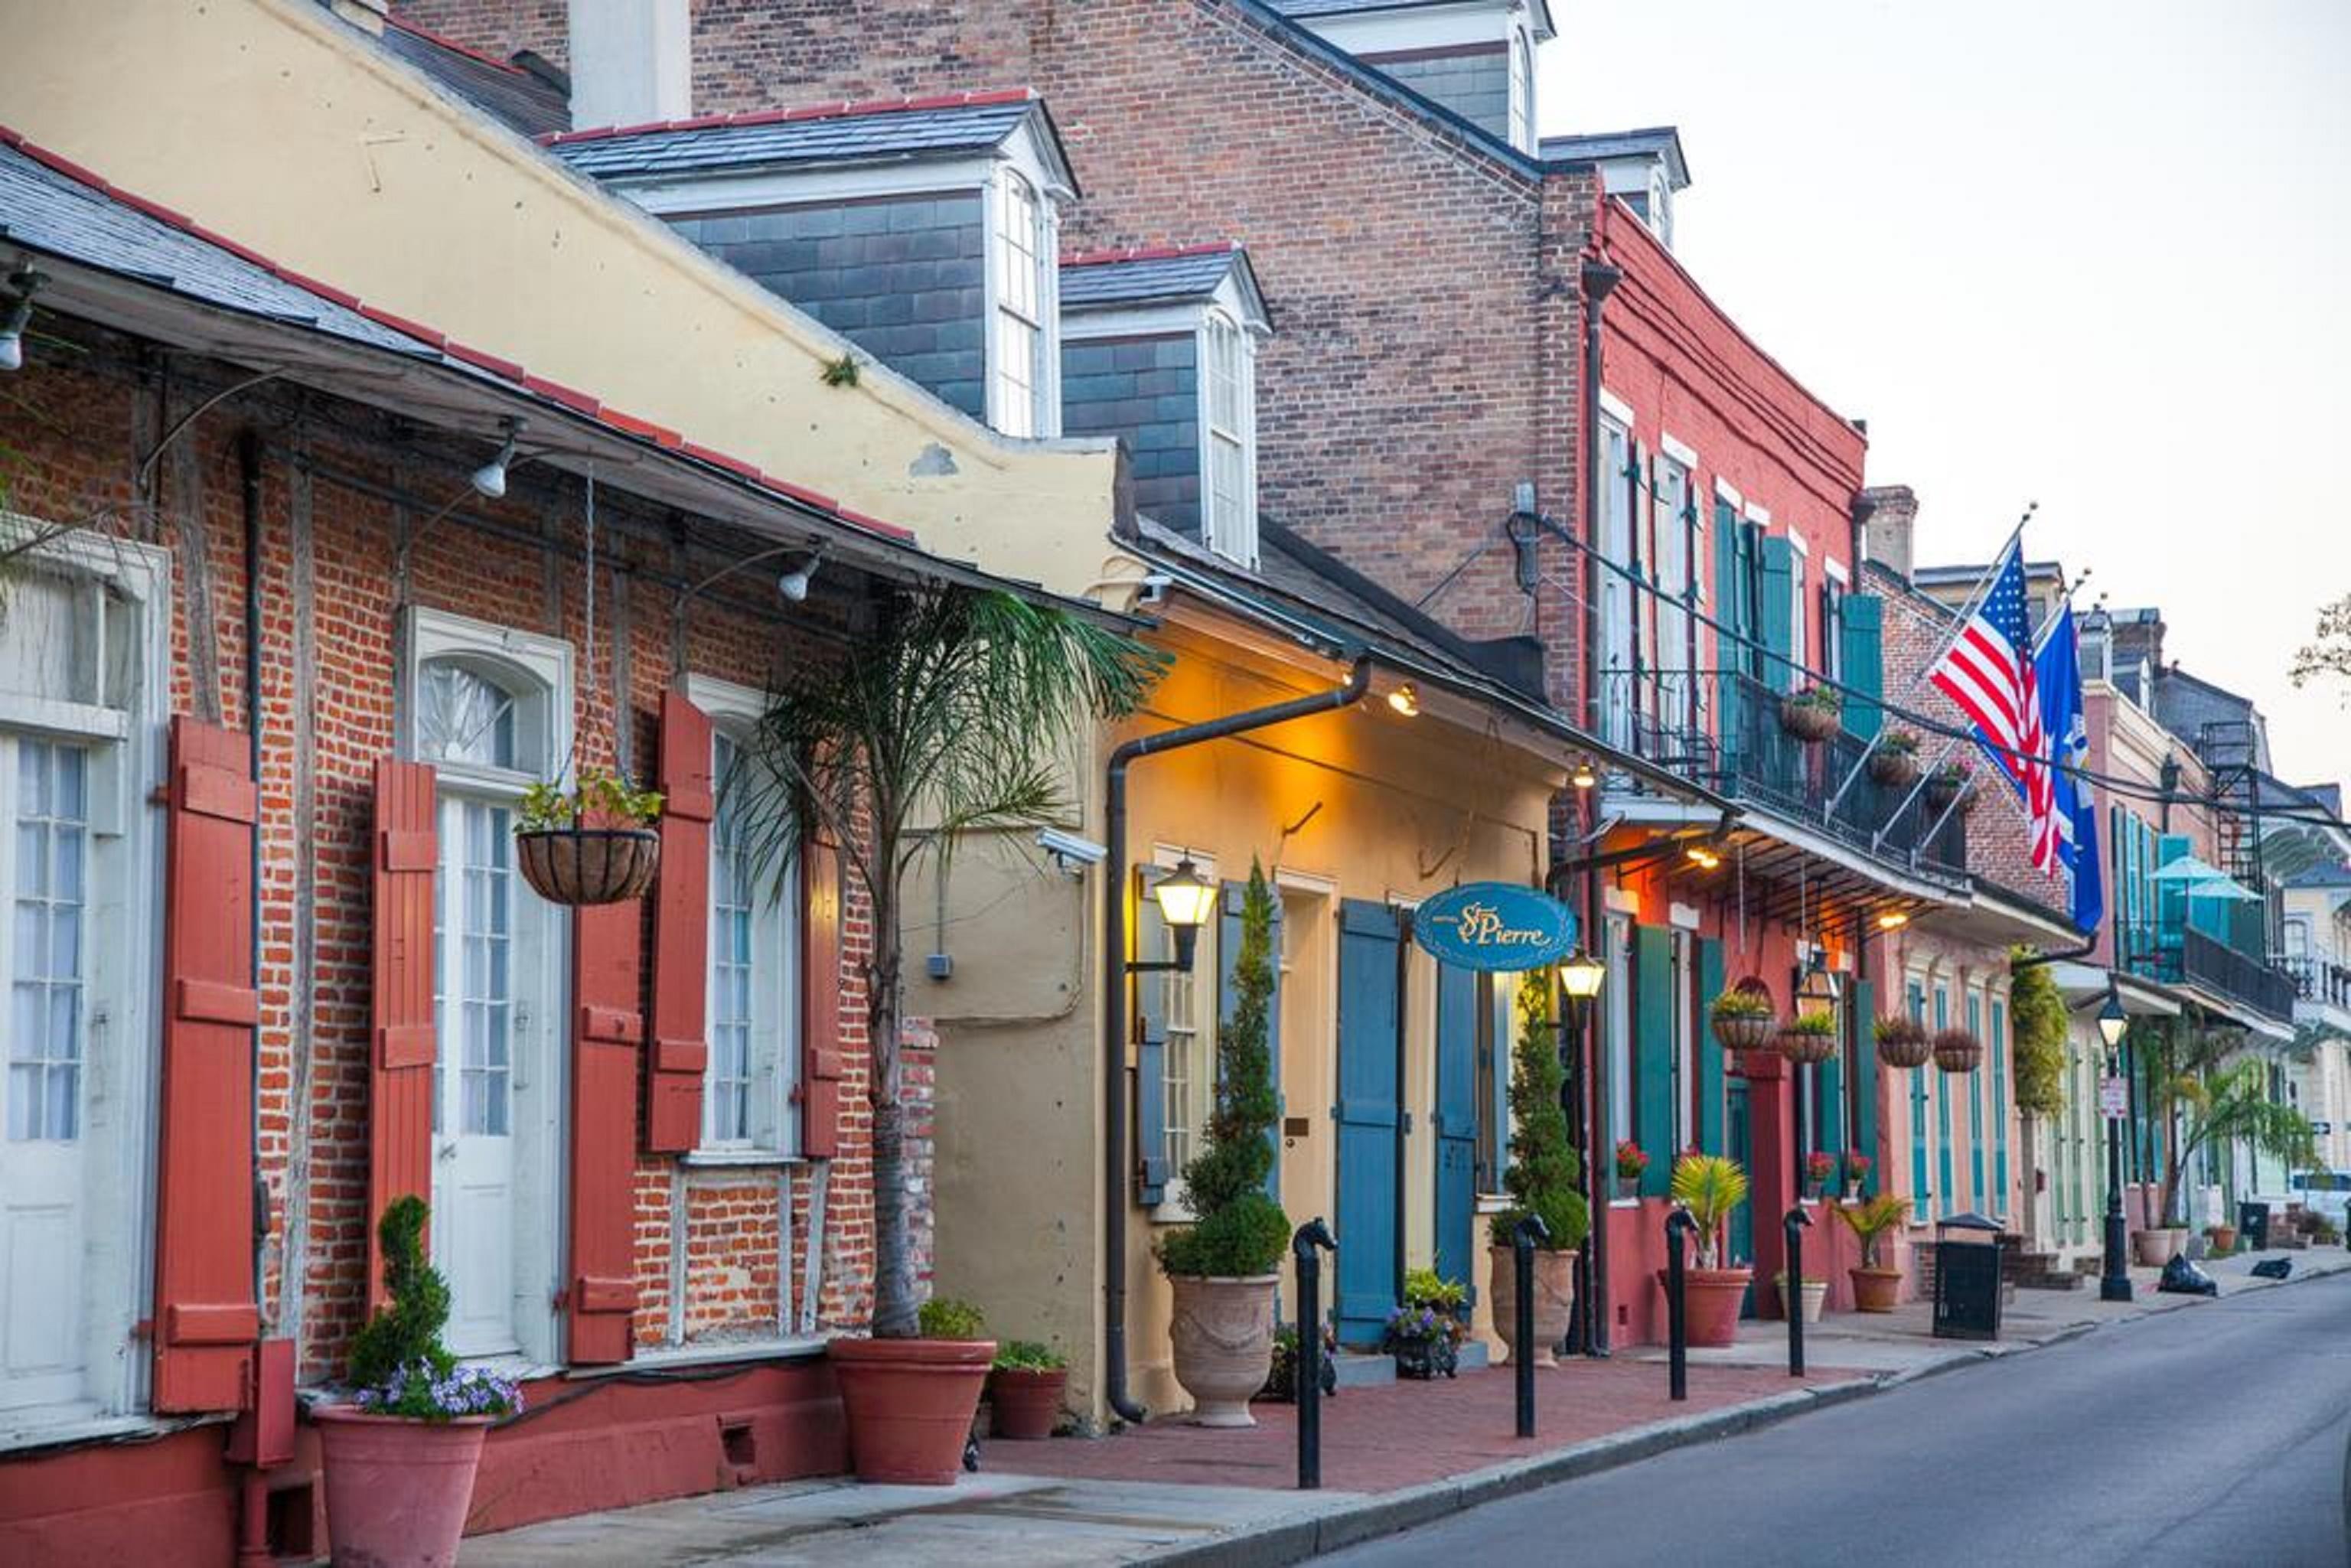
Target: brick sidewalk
1388, 1437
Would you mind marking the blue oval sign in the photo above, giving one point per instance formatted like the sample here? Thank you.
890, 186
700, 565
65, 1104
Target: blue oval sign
1495, 925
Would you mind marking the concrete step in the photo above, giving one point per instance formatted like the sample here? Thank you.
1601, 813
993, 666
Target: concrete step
2050, 1280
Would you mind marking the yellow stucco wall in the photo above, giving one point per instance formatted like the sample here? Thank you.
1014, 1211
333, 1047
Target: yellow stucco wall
260, 118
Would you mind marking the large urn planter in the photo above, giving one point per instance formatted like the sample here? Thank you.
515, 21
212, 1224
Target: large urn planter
1554, 1299
1223, 1336
589, 865
1875, 1290
1025, 1403
1710, 1302
910, 1402
2153, 1248
397, 1489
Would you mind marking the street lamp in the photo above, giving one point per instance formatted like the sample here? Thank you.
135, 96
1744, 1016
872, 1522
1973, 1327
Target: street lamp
1184, 900
2114, 1283
1580, 976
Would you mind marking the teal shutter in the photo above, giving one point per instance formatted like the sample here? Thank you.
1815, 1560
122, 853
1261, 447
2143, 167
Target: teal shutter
2000, 1098
1653, 1046
1919, 1184
1975, 1112
1730, 611
1862, 618
1865, 1079
1228, 953
1709, 1054
1828, 1130
1150, 1172
1945, 1180
1776, 629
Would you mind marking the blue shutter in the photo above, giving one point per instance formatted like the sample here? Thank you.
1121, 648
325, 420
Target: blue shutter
1945, 1180
1653, 1046
1709, 1053
1455, 1121
1369, 1118
1999, 1053
1828, 1128
1731, 604
1234, 898
1776, 627
1864, 1079
1975, 1112
1150, 1173
1862, 618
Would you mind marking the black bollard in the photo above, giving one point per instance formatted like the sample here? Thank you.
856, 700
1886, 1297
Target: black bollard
1530, 1230
1796, 1224
1679, 1224
1307, 1365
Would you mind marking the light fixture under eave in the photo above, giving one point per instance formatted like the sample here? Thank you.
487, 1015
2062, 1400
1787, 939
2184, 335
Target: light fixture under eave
1406, 700
1586, 776
1703, 857
794, 584
19, 316
490, 479
1893, 920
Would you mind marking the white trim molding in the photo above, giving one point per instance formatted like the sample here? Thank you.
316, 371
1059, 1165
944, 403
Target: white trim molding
1616, 408
1680, 451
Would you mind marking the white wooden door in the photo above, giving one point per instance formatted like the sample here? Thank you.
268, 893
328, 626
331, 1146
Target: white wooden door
481, 947
44, 968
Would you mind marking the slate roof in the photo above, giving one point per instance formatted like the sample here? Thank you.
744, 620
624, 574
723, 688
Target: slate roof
889, 129
1598, 146
517, 99
1094, 280
1304, 8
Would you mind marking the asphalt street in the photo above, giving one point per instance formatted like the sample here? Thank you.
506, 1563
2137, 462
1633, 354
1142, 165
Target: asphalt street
2214, 1435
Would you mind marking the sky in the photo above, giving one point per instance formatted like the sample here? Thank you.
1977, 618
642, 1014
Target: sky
2087, 252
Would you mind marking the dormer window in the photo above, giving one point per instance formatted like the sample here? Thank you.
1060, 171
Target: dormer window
1020, 290
1160, 350
1474, 60
1522, 92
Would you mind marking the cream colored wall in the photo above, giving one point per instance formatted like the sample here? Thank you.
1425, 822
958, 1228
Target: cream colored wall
256, 117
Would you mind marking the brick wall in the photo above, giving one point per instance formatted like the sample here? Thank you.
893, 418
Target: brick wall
342, 488
902, 278
1147, 392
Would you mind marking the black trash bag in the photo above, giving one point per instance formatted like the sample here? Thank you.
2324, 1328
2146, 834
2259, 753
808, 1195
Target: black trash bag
2181, 1278
2273, 1267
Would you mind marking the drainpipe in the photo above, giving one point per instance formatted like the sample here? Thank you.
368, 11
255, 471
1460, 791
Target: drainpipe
1114, 983
1600, 280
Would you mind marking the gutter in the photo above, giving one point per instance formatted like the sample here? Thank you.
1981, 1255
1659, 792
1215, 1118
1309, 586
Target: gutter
1115, 1162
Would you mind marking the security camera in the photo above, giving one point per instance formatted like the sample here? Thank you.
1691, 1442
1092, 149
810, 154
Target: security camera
1070, 851
1153, 592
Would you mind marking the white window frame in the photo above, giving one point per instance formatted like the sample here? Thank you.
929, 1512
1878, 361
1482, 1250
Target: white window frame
776, 931
1203, 983
1233, 537
1524, 132
124, 895
1616, 995
1039, 415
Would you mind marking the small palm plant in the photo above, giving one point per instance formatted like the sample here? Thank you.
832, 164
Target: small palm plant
1870, 1221
1711, 1186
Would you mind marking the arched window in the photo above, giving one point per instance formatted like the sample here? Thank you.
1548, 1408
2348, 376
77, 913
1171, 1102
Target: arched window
1230, 396
1522, 93
1019, 313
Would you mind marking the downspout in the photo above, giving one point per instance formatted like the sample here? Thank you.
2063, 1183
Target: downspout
1115, 1162
1600, 280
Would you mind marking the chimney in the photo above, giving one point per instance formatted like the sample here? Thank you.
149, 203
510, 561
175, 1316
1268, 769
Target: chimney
632, 61
1893, 517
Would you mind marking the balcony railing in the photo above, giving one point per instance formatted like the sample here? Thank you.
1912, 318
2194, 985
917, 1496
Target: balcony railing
2316, 978
1722, 729
2181, 955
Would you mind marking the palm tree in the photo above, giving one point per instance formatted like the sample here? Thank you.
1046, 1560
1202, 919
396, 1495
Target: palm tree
949, 715
2233, 1105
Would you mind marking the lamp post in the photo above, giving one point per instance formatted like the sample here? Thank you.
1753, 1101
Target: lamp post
2113, 1284
1580, 976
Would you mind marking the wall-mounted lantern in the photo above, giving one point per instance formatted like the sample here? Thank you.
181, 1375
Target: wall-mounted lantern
1185, 901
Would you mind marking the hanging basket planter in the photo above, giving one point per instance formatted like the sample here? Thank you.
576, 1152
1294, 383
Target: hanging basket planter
1744, 1017
1957, 1050
1903, 1042
1806, 1046
1892, 768
1812, 716
1955, 792
589, 865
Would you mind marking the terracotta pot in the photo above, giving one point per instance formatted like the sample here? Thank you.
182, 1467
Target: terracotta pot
1554, 1299
1816, 1296
1905, 1044
397, 1489
1957, 1050
1026, 1401
2224, 1238
910, 1403
1223, 1335
1710, 1302
589, 865
1748, 1032
2153, 1248
1894, 769
1804, 1047
1875, 1290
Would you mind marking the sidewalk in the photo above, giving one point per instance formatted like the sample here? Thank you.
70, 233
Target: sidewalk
1393, 1455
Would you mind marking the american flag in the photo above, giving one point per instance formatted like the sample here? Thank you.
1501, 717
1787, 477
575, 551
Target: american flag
1987, 671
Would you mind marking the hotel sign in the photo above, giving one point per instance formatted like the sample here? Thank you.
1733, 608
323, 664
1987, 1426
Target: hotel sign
1495, 925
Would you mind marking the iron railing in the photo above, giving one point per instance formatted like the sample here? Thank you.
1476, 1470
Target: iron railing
2181, 955
2316, 978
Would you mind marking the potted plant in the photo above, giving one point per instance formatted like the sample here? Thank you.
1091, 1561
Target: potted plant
1222, 1265
591, 844
952, 709
1856, 1171
2223, 1239
1902, 1041
1282, 1378
910, 1402
1711, 1186
1024, 1390
1542, 1181
1631, 1163
400, 1457
1820, 1169
1894, 761
1744, 1017
1957, 1050
1809, 1039
1875, 1289
1424, 1330
1813, 715
1815, 1295
1952, 785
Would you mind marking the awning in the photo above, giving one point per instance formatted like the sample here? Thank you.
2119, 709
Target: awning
2140, 999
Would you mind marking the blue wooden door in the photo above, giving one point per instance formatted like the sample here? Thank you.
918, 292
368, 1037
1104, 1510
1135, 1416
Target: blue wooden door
1369, 1117
1454, 1122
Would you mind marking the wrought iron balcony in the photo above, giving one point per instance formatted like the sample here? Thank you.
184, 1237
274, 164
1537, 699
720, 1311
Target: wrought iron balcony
2317, 977
1722, 729
2182, 955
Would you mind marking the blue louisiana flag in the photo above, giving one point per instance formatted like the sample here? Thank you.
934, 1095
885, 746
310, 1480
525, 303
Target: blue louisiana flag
2057, 670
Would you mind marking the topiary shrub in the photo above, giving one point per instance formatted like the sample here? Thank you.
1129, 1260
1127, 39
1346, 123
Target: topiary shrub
1237, 1230
1543, 1168
399, 1365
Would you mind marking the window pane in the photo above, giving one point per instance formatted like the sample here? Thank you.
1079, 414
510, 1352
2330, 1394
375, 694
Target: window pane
462, 716
44, 1009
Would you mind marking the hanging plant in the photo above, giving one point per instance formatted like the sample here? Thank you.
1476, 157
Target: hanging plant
1808, 1039
1813, 715
592, 844
1894, 763
1957, 1050
1902, 1041
1744, 1019
1952, 784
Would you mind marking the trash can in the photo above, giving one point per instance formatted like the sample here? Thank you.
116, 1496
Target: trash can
2253, 1225
1967, 1278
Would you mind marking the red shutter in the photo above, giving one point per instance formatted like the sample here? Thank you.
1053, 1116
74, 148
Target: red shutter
681, 932
400, 1035
606, 1032
820, 1090
207, 1320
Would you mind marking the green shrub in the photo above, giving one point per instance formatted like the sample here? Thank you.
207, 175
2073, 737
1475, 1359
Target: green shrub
1543, 1168
1028, 1355
2037, 1022
944, 1317
399, 1365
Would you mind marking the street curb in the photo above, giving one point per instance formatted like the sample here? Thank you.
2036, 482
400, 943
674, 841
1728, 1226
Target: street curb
1282, 1541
